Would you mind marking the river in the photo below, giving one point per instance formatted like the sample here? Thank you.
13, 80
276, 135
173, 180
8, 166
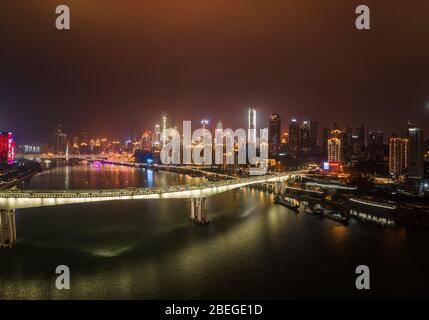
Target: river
148, 249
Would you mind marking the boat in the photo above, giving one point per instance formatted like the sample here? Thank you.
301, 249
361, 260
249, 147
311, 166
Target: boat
287, 204
329, 214
308, 210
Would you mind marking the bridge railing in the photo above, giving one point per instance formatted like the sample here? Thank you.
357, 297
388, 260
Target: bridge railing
138, 191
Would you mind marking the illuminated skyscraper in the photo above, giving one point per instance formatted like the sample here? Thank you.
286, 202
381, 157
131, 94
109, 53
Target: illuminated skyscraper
398, 156
304, 138
313, 137
293, 138
274, 136
218, 130
252, 126
358, 143
204, 123
7, 147
59, 140
156, 137
164, 126
415, 152
334, 150
219, 156
146, 141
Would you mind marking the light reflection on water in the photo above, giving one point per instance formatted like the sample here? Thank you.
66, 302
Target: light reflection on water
148, 249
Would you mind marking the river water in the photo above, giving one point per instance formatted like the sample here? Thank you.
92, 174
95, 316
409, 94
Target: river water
252, 248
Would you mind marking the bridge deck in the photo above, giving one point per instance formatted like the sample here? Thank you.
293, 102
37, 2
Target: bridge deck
15, 199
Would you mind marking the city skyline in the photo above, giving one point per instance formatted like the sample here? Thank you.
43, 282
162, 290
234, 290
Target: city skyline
235, 151
192, 67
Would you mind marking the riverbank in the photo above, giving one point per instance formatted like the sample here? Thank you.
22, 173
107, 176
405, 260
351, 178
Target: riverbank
12, 175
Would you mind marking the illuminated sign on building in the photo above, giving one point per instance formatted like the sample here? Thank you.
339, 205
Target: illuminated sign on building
326, 165
7, 147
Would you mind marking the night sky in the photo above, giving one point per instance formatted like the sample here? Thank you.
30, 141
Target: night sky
125, 61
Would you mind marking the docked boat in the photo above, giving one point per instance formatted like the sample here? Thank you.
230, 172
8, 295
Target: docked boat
308, 210
287, 204
329, 214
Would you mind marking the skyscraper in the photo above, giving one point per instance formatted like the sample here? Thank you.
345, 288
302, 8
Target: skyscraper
360, 133
274, 136
7, 147
59, 140
334, 149
358, 143
219, 156
415, 152
156, 142
146, 141
375, 145
313, 137
164, 126
325, 137
347, 135
252, 126
398, 156
293, 138
304, 138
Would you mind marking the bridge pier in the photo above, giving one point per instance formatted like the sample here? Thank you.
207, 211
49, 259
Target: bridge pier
279, 190
7, 228
199, 210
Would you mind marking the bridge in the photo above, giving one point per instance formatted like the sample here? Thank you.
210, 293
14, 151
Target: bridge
13, 199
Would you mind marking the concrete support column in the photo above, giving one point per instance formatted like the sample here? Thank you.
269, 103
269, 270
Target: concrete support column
199, 210
278, 190
283, 189
7, 228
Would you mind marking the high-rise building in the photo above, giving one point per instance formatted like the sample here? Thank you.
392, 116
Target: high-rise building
252, 126
347, 143
308, 137
360, 133
206, 131
334, 149
375, 145
415, 152
304, 138
313, 137
398, 156
325, 137
7, 147
219, 156
146, 141
59, 140
293, 138
164, 126
156, 139
284, 145
358, 143
274, 136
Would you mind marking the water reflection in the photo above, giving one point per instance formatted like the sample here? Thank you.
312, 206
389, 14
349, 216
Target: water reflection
148, 249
